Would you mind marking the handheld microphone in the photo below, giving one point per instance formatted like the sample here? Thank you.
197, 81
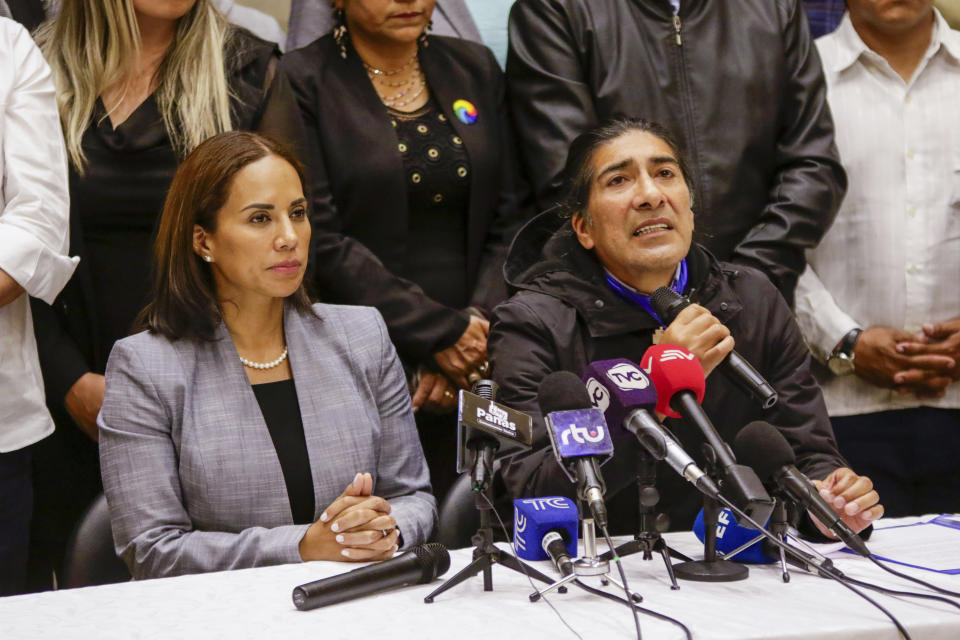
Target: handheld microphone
482, 423
626, 396
419, 565
760, 445
546, 528
668, 304
579, 437
678, 378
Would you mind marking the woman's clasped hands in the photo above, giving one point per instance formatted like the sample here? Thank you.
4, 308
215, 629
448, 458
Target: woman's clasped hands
357, 526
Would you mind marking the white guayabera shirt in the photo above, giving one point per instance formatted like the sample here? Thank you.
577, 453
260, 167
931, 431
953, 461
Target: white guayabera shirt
34, 229
892, 257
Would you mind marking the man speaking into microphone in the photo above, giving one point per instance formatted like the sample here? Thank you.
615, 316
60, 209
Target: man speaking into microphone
582, 273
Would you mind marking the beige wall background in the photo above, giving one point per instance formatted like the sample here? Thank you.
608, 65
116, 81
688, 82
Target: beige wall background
279, 9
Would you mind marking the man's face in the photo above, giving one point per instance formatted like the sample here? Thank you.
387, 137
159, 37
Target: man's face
890, 15
640, 223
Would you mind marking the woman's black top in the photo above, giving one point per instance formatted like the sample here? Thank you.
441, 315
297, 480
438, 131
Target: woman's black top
115, 206
360, 187
437, 171
281, 412
118, 201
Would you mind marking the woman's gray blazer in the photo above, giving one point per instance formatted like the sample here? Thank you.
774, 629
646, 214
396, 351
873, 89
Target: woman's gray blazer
190, 471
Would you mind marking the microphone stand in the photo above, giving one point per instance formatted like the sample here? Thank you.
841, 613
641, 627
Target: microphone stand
589, 565
485, 553
779, 527
648, 540
711, 568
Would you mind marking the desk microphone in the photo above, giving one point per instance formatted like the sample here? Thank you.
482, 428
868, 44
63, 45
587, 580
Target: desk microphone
678, 377
626, 396
579, 437
760, 445
419, 565
546, 528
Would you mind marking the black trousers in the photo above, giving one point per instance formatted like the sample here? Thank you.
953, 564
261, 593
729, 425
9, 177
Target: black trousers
912, 456
16, 507
438, 436
66, 479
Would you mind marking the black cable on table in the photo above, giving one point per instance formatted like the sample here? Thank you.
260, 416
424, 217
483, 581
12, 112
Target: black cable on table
644, 610
506, 534
905, 576
623, 578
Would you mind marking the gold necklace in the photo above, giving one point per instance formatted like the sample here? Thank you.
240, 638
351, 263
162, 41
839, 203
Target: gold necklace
373, 71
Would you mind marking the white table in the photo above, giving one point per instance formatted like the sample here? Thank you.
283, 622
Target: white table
256, 603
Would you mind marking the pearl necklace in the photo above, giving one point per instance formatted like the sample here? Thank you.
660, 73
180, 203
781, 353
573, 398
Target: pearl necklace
264, 365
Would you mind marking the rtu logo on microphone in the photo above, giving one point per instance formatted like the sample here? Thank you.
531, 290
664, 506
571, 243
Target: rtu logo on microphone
582, 435
627, 377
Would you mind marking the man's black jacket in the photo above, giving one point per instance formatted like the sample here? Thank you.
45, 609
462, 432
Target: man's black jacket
565, 316
738, 82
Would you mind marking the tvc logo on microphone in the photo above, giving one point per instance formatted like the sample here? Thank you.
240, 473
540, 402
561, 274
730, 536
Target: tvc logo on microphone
627, 376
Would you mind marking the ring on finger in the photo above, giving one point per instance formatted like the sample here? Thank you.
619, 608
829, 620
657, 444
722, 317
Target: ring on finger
448, 394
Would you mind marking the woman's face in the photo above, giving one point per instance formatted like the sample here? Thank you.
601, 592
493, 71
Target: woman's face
167, 10
259, 248
388, 21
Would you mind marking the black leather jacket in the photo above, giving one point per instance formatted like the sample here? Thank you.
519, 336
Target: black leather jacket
564, 316
739, 83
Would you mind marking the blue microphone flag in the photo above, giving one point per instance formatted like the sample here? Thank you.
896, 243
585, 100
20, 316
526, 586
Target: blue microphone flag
534, 517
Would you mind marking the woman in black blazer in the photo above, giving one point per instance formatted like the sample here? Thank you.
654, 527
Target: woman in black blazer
412, 157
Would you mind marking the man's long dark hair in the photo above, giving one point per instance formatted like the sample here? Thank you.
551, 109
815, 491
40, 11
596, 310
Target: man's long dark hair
184, 303
578, 171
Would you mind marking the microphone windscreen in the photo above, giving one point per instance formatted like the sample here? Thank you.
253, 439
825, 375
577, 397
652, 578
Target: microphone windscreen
617, 387
668, 303
672, 369
535, 517
562, 391
731, 535
761, 446
434, 558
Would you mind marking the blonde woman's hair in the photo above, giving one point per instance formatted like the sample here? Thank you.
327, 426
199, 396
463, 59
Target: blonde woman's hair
92, 44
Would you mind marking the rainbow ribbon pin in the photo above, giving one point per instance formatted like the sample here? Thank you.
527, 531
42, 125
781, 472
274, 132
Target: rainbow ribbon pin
465, 111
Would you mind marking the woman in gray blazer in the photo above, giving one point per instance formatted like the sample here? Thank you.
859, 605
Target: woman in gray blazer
245, 427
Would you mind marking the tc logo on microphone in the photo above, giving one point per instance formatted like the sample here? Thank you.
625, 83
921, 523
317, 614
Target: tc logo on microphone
627, 377
599, 395
542, 504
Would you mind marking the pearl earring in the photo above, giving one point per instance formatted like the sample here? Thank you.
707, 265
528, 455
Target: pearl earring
208, 258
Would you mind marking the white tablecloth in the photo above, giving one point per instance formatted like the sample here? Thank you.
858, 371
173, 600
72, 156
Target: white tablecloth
256, 603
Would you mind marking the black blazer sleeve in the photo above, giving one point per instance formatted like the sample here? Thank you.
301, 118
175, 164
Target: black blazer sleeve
345, 270
550, 99
809, 183
514, 204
